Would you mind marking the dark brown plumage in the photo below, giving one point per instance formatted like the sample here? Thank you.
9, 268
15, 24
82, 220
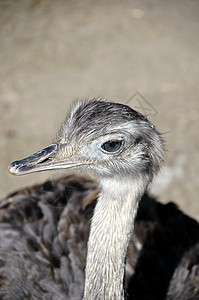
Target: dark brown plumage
43, 236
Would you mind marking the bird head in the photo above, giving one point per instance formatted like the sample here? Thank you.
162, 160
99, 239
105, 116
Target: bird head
108, 139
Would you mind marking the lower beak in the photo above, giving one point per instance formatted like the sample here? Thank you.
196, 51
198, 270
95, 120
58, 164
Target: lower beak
45, 159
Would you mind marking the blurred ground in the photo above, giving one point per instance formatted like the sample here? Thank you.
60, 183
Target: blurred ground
52, 52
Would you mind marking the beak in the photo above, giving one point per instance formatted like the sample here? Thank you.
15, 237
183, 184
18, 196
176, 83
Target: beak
48, 158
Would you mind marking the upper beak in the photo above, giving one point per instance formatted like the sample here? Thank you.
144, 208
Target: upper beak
45, 159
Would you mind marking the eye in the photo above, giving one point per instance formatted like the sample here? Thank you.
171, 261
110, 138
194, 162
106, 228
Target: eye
112, 146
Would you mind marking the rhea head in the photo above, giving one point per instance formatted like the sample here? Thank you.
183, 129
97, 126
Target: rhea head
109, 139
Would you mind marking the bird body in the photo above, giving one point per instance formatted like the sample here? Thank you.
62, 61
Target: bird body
44, 231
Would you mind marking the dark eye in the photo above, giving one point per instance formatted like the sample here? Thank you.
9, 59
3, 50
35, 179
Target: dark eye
112, 146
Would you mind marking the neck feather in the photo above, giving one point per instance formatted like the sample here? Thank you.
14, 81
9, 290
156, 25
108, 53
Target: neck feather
111, 228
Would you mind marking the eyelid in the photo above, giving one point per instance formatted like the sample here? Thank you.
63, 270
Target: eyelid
113, 139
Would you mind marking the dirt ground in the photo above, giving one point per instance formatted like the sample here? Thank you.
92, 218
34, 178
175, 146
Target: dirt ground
141, 52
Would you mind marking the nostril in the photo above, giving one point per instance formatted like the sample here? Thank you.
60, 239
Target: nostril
45, 160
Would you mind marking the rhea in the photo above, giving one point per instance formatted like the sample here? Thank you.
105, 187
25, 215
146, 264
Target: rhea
125, 151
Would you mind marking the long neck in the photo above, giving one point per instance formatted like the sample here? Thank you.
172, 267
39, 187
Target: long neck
111, 228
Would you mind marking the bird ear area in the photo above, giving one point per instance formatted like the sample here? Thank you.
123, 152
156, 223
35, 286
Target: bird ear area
138, 140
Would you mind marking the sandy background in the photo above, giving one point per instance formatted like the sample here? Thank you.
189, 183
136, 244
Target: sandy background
52, 52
